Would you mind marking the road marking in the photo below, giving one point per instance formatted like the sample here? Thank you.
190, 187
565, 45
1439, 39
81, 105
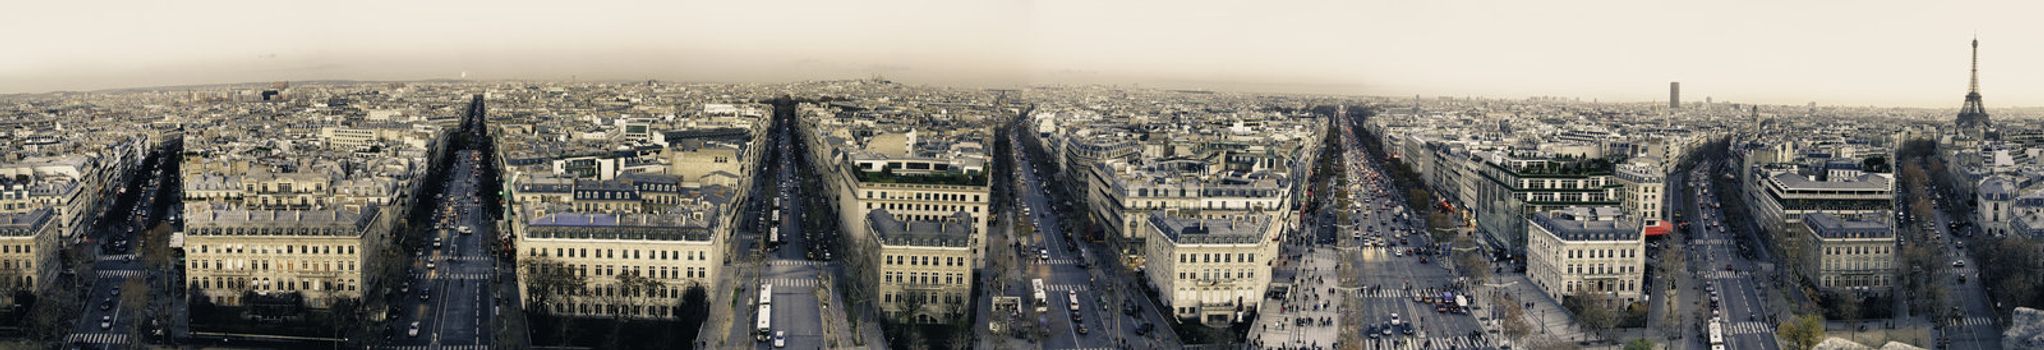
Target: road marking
1749, 327
452, 276
782, 262
792, 282
1973, 321
98, 338
1066, 287
116, 257
119, 273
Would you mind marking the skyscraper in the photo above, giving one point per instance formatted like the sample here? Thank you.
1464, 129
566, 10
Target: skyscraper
1973, 116
1674, 95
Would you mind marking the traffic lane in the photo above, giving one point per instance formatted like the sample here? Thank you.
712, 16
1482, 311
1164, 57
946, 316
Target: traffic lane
796, 310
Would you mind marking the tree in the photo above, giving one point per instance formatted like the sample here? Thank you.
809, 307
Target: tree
628, 297
1514, 317
1802, 332
1640, 344
548, 280
1592, 310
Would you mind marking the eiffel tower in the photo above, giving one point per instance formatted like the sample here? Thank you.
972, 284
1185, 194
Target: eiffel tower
1973, 116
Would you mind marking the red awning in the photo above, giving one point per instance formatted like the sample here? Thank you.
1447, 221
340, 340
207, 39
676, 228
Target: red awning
1658, 229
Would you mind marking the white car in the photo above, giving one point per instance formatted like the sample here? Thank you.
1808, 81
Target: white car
415, 329
780, 339
106, 322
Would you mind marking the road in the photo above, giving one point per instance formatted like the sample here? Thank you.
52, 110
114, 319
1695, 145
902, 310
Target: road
107, 320
795, 277
1073, 267
451, 294
1727, 276
1395, 263
1972, 326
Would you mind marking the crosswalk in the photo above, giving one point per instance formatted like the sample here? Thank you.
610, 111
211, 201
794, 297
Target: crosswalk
1724, 275
1974, 321
97, 338
470, 258
436, 347
120, 273
1103, 348
1444, 343
1064, 261
793, 263
791, 282
117, 257
1054, 287
1749, 327
455, 276
1386, 293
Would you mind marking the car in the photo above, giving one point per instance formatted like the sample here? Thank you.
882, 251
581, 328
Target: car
780, 339
1080, 327
106, 322
106, 305
430, 265
414, 330
425, 294
1959, 264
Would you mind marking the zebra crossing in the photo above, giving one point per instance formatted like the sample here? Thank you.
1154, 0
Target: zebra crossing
1724, 275
1063, 261
436, 347
97, 338
791, 282
1386, 294
779, 262
116, 257
1972, 321
454, 276
120, 273
1053, 287
1446, 343
1103, 348
470, 258
1749, 327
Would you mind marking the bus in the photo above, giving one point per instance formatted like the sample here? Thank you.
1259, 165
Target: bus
774, 235
1717, 336
1042, 297
764, 329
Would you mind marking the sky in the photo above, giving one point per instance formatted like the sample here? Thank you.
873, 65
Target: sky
1855, 53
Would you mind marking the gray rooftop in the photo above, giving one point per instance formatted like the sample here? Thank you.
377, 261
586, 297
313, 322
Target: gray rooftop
1588, 224
1856, 226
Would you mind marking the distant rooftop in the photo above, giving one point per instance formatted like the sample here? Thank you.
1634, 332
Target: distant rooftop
1588, 224
953, 233
1855, 226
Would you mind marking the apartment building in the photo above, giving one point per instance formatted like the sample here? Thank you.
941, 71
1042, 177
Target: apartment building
921, 269
1212, 270
1577, 250
1854, 253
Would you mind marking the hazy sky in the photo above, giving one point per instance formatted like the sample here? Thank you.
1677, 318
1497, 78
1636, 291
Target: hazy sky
1893, 53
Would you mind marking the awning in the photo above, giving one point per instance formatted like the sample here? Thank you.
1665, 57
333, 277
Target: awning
1658, 229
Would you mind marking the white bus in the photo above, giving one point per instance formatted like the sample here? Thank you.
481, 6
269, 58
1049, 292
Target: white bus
774, 235
1717, 336
1042, 298
765, 327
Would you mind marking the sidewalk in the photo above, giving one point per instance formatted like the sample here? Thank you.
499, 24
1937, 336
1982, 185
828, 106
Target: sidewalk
1278, 326
1545, 314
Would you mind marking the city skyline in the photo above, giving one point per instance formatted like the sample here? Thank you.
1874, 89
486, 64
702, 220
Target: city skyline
1881, 54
